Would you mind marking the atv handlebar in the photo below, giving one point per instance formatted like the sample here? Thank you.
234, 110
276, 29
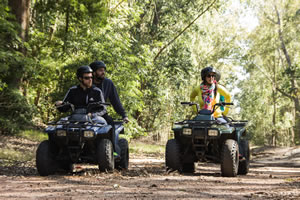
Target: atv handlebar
191, 104
68, 105
100, 103
224, 104
214, 108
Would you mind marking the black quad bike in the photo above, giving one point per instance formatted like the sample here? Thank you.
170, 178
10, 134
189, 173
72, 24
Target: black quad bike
204, 138
78, 139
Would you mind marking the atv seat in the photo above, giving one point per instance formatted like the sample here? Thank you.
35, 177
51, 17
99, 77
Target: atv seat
205, 115
80, 118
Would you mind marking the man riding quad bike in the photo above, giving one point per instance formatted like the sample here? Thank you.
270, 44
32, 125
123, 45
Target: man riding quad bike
205, 138
79, 139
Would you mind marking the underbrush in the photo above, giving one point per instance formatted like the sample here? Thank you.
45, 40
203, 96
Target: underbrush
11, 155
19, 148
140, 148
33, 135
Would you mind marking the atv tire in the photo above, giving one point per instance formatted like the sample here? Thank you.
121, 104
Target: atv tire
66, 166
188, 168
123, 163
173, 156
45, 163
245, 151
230, 158
105, 156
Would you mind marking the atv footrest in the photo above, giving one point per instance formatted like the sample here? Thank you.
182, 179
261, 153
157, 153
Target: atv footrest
74, 152
200, 154
199, 147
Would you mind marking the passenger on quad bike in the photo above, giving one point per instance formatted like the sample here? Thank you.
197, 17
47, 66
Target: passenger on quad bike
109, 90
209, 93
83, 94
110, 93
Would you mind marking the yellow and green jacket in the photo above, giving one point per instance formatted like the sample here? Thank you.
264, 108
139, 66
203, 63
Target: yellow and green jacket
196, 96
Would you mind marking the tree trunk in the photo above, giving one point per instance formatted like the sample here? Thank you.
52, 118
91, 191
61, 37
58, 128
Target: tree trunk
297, 117
21, 9
37, 98
274, 131
67, 27
292, 142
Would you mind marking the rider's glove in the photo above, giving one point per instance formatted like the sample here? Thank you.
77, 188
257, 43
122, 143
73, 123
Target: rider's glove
125, 120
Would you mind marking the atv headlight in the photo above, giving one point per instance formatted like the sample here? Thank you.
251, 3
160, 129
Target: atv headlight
187, 131
213, 132
61, 133
88, 134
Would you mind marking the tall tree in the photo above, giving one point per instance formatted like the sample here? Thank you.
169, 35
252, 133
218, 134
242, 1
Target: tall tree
21, 10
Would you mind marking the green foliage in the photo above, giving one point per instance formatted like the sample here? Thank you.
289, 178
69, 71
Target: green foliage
9, 42
16, 112
15, 156
264, 99
33, 135
142, 148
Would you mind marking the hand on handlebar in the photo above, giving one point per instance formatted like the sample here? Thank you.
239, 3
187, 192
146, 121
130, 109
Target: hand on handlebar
125, 120
64, 105
58, 103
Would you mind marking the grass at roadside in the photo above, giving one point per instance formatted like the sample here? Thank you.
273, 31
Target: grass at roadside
21, 147
140, 148
11, 155
33, 135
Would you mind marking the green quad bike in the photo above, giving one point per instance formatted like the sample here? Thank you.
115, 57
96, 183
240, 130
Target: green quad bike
204, 138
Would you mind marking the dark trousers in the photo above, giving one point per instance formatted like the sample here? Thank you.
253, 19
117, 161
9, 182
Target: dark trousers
115, 138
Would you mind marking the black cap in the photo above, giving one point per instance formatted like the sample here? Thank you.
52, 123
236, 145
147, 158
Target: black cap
97, 64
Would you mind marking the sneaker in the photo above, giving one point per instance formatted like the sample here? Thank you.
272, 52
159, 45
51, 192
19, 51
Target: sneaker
117, 156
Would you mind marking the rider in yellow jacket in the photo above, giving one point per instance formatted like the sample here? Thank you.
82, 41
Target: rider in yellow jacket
209, 91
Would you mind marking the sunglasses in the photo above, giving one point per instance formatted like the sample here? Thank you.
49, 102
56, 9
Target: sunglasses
87, 77
210, 75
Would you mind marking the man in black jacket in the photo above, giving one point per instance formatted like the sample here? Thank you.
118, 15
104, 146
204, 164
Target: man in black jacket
108, 88
110, 93
83, 94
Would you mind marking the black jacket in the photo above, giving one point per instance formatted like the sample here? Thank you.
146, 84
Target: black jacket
110, 92
81, 98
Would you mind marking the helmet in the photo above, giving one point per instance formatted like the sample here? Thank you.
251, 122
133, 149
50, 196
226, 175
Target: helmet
97, 64
208, 70
83, 69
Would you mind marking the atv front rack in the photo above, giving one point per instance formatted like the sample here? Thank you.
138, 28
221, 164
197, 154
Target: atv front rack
75, 123
196, 122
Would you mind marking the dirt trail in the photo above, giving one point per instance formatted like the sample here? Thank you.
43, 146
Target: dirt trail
277, 177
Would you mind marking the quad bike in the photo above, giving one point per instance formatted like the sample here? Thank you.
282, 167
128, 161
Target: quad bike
79, 139
204, 138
